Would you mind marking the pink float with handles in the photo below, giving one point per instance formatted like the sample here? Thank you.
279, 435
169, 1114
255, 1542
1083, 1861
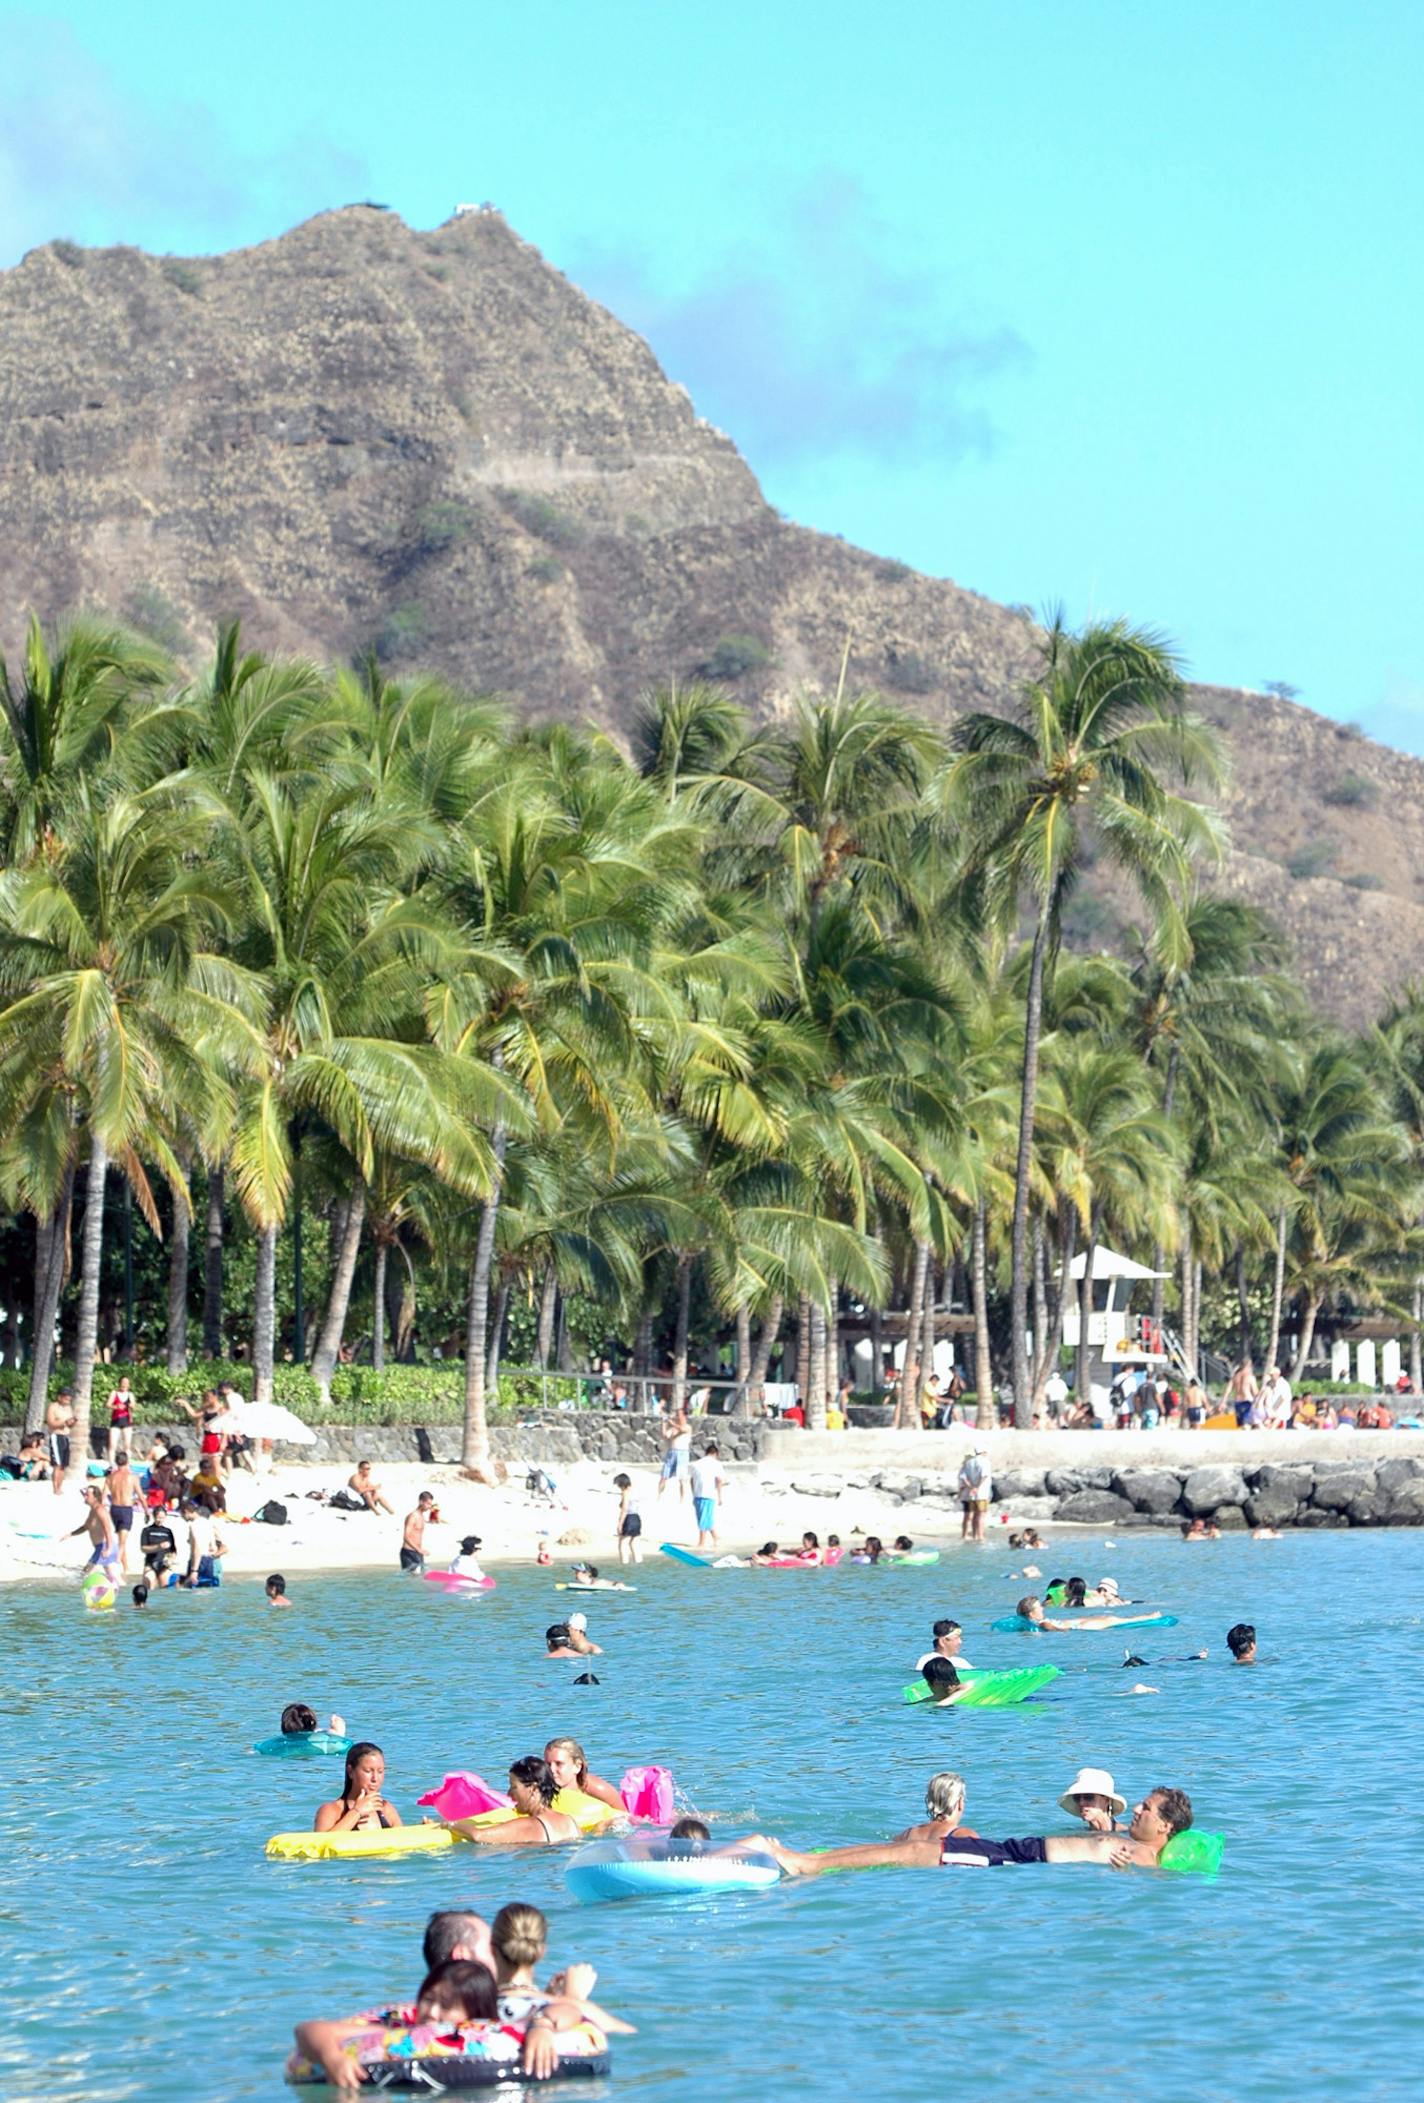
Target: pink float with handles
647, 1794
453, 1581
465, 1795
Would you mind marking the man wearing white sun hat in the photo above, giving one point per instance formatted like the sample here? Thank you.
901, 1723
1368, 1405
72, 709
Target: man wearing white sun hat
1092, 1796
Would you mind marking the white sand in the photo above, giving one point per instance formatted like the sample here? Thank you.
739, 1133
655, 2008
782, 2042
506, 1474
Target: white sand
760, 1505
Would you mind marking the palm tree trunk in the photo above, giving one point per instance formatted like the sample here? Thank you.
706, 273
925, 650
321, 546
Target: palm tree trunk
1416, 1341
985, 1414
1278, 1290
679, 1340
264, 1314
761, 1357
178, 1279
1159, 1283
1055, 1286
328, 1343
1243, 1307
51, 1246
1313, 1303
643, 1355
1023, 1171
816, 1407
1189, 1348
475, 1447
803, 1351
548, 1303
86, 1342
496, 1342
1085, 1309
213, 1266
378, 1309
401, 1307
907, 1403
833, 1344
744, 1356
927, 1344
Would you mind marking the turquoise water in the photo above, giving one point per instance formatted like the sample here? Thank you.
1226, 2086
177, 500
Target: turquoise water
153, 1952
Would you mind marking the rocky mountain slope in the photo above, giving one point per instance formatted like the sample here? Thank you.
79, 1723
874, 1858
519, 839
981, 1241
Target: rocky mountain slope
433, 442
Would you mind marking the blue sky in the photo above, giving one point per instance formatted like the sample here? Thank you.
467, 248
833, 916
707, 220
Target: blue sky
1113, 304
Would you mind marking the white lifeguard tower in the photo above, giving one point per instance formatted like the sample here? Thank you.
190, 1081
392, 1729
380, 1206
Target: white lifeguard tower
1116, 1336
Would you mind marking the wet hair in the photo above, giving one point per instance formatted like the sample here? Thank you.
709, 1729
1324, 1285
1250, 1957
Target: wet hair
297, 1717
946, 1628
833, 1540
140, 1595
808, 1539
1240, 1639
519, 1934
354, 1757
470, 1545
575, 1752
768, 1548
278, 1584
622, 1482
874, 1547
558, 1635
690, 1829
1174, 1808
1023, 1609
446, 1933
1075, 1592
940, 1676
459, 1983
588, 1679
535, 1773
903, 1544
1016, 1540
944, 1795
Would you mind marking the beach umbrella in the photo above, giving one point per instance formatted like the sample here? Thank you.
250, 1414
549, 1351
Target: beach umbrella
269, 1420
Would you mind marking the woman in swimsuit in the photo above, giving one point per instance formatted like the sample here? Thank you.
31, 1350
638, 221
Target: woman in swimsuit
360, 1808
532, 1789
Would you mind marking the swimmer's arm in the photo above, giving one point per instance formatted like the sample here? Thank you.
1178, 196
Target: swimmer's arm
1108, 1850
514, 1832
604, 1791
565, 2011
322, 2042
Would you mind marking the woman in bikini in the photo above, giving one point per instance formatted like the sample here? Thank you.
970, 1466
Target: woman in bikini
532, 1790
360, 1808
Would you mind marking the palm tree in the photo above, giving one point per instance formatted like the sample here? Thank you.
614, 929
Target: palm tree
1094, 733
119, 1012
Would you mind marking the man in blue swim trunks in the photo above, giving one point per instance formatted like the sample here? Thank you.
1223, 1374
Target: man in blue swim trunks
708, 1482
104, 1553
1161, 1814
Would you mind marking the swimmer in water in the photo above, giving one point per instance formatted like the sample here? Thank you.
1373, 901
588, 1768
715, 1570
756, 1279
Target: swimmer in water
944, 1810
361, 1806
943, 1682
1241, 1642
1092, 1795
1161, 1814
276, 1590
578, 1638
1031, 1609
570, 1769
948, 1643
532, 1790
556, 1641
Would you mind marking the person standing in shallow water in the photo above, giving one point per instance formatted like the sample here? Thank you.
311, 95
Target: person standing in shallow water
412, 1554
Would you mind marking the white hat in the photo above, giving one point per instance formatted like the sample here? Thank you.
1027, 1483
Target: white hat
1091, 1781
578, 1621
1106, 1584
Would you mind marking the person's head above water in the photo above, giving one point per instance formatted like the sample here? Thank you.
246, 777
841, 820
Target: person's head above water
768, 1548
518, 1936
471, 1544
557, 1636
1030, 1608
566, 1759
456, 1934
944, 1795
874, 1546
1161, 1814
458, 1992
1241, 1642
691, 1829
1075, 1592
948, 1638
809, 1540
275, 1588
531, 1782
365, 1769
940, 1677
903, 1544
296, 1718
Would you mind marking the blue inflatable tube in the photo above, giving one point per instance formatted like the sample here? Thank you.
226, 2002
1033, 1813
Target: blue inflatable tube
651, 1866
304, 1745
1011, 1622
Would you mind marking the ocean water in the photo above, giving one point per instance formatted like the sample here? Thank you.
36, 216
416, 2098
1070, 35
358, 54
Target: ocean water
151, 1951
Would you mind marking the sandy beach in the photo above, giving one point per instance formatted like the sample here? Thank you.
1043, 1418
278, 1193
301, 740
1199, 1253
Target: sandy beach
760, 1505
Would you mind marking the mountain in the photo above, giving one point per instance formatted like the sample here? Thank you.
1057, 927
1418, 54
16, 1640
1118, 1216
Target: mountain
434, 443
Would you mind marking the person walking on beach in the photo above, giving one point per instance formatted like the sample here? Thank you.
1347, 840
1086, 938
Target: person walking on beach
412, 1554
974, 1487
630, 1523
123, 1500
121, 1403
59, 1422
708, 1482
677, 1437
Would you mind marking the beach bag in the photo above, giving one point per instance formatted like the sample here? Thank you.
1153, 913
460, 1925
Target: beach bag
273, 1513
346, 1501
647, 1793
